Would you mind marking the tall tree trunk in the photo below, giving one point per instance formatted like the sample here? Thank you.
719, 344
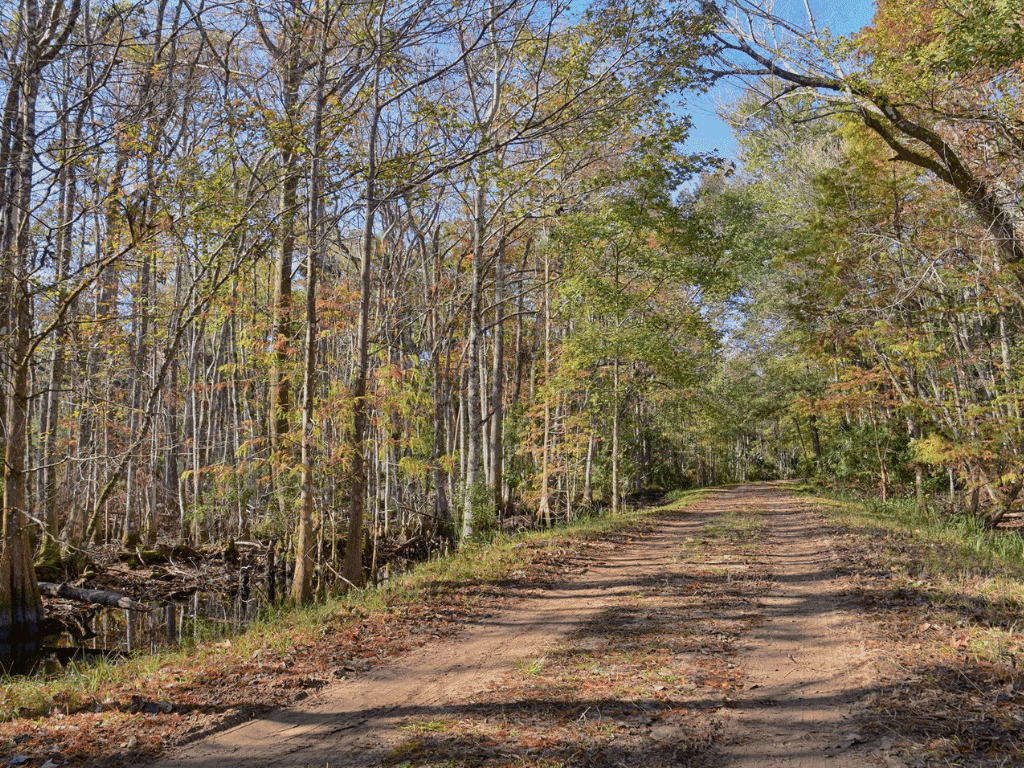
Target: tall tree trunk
474, 437
353, 571
51, 411
283, 329
440, 394
302, 585
21, 608
497, 415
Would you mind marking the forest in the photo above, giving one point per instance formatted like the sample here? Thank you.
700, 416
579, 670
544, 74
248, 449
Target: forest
342, 277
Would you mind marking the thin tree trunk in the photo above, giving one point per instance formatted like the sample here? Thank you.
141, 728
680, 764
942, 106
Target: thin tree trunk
51, 411
353, 571
588, 472
283, 330
441, 400
474, 437
302, 585
616, 507
495, 479
544, 507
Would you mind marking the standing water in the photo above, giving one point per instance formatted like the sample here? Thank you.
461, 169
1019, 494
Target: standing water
178, 614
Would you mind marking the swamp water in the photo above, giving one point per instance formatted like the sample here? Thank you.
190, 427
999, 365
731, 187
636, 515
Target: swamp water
177, 618
202, 616
182, 616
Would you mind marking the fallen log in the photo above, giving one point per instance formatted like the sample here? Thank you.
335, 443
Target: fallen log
414, 541
96, 596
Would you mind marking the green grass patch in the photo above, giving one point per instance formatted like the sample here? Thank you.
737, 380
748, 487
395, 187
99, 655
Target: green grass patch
958, 547
430, 726
531, 667
741, 527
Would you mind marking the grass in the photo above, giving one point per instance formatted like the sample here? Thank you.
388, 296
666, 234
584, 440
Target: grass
84, 687
961, 546
742, 528
531, 667
429, 726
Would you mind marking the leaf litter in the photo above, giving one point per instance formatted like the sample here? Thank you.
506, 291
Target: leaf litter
949, 633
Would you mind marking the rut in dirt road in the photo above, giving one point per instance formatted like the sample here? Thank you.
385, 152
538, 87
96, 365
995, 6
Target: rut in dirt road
806, 666
715, 635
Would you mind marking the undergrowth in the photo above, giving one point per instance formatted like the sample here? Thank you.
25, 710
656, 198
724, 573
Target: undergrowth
968, 546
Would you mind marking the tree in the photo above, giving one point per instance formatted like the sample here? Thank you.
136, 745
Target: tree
34, 39
196, 169
632, 282
881, 90
902, 297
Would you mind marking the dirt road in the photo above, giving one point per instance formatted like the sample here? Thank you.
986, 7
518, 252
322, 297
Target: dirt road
719, 635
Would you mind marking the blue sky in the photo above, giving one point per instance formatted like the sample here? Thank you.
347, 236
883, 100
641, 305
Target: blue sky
709, 133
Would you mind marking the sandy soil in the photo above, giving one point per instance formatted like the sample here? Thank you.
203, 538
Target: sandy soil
802, 665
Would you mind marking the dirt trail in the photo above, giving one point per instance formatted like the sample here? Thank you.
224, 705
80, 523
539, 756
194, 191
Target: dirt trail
806, 666
800, 663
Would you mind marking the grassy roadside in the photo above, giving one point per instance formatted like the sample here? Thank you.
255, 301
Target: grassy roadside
947, 597
125, 713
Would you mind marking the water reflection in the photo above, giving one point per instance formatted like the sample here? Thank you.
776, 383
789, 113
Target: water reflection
199, 616
219, 602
